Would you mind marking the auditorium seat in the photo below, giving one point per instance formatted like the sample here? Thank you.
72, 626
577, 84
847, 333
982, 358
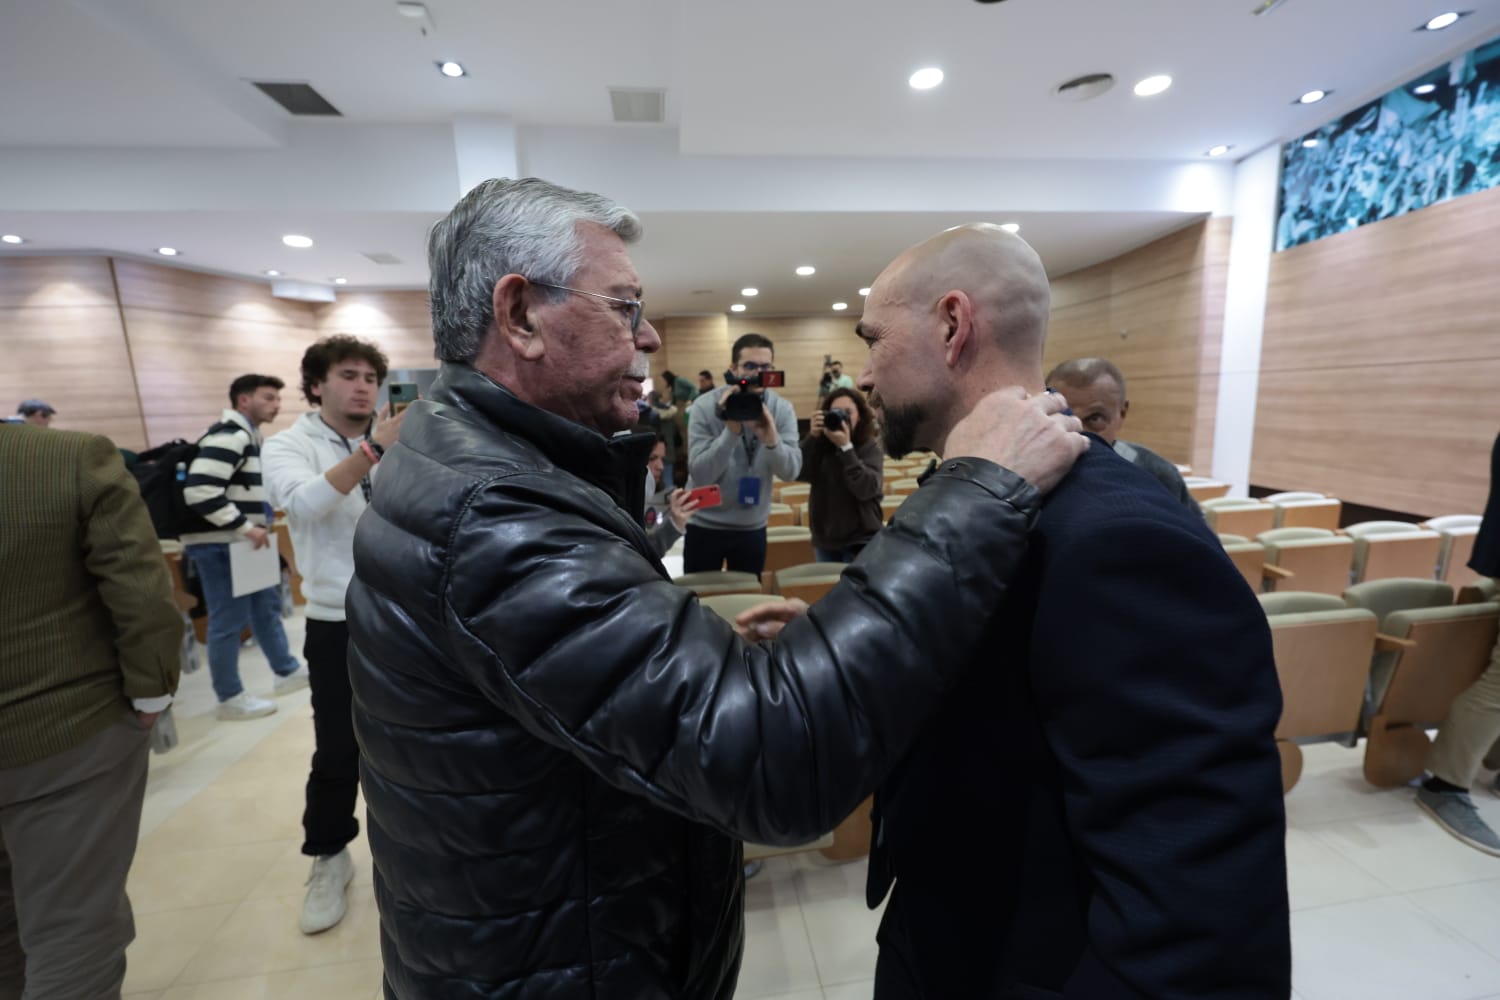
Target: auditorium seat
1393, 549
1239, 516
1318, 559
1482, 589
782, 515
1322, 662
1291, 602
1457, 532
1202, 489
787, 547
794, 493
1250, 559
901, 487
889, 506
1292, 496
719, 582
1438, 653
1308, 512
808, 581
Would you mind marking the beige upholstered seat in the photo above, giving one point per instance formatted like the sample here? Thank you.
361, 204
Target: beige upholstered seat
809, 581
1201, 488
1317, 559
901, 487
1292, 602
787, 547
1322, 661
1457, 532
1439, 653
1239, 516
719, 582
1319, 512
1388, 549
782, 516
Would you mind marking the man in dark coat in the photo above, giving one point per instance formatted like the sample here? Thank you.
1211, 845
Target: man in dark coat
561, 750
1111, 744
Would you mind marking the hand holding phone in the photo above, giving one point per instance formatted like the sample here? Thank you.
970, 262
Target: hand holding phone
707, 496
402, 395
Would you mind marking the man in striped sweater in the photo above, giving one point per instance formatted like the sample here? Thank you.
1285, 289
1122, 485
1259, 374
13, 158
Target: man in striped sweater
224, 488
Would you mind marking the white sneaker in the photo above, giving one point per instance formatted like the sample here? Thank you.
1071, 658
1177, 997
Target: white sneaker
244, 706
294, 681
326, 885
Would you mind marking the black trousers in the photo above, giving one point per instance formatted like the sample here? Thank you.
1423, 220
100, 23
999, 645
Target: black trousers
708, 549
328, 824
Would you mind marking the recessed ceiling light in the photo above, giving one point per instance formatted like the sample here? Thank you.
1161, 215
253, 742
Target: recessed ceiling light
1313, 96
1011, 227
806, 270
340, 281
1424, 89
1152, 85
1309, 144
738, 307
451, 69
1219, 150
167, 251
749, 293
864, 291
1443, 21
300, 242
11, 238
839, 307
926, 79
272, 273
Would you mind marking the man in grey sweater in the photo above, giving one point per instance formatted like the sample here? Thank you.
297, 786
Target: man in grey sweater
740, 457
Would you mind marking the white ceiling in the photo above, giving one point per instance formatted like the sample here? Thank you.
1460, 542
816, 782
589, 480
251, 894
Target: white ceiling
791, 133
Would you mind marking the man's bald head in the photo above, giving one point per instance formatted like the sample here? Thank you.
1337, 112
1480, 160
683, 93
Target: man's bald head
999, 273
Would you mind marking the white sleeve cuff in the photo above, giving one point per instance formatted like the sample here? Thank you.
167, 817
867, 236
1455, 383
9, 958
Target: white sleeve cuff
847, 447
151, 706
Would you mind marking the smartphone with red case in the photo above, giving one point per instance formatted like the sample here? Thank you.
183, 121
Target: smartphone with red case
707, 496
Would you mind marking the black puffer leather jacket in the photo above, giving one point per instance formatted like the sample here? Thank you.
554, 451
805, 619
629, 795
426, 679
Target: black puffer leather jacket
562, 750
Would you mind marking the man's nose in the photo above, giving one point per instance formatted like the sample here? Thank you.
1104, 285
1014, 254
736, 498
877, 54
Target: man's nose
646, 337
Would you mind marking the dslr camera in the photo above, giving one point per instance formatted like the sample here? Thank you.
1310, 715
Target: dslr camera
834, 420
744, 405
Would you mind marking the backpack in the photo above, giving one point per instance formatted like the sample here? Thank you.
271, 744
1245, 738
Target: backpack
160, 473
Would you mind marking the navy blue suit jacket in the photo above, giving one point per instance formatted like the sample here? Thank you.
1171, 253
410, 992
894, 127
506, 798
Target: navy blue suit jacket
1097, 813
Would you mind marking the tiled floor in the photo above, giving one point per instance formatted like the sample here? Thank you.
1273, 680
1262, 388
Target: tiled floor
1385, 904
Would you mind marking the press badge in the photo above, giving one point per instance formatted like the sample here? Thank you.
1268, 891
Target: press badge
750, 491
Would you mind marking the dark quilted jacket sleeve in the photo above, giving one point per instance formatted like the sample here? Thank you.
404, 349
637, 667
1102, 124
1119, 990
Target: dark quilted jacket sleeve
559, 620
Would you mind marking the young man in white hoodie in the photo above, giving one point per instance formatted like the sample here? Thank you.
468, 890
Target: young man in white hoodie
320, 471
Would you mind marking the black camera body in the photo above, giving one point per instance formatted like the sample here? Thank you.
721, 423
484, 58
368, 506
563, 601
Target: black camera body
745, 405
834, 420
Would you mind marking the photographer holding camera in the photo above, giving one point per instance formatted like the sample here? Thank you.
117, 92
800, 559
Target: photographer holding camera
841, 458
736, 438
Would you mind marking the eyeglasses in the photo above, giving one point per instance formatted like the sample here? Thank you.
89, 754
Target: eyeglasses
755, 366
635, 305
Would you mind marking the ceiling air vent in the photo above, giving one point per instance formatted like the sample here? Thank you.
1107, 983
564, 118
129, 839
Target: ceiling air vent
297, 98
1084, 88
633, 104
382, 257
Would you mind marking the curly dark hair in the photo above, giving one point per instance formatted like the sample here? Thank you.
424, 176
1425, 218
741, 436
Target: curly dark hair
866, 429
329, 351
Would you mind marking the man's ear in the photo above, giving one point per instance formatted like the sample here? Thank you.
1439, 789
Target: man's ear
510, 300
1124, 410
956, 314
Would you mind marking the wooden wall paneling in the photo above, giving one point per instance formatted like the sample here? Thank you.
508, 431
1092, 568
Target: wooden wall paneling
185, 363
1177, 253
62, 341
170, 289
1380, 361
399, 322
690, 344
1406, 437
40, 282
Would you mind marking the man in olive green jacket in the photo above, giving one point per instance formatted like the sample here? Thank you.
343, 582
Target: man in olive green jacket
88, 659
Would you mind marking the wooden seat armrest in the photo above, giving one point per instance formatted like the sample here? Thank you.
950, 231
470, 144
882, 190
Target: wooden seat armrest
1390, 644
1273, 572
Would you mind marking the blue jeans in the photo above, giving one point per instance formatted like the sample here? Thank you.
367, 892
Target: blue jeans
227, 617
844, 555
